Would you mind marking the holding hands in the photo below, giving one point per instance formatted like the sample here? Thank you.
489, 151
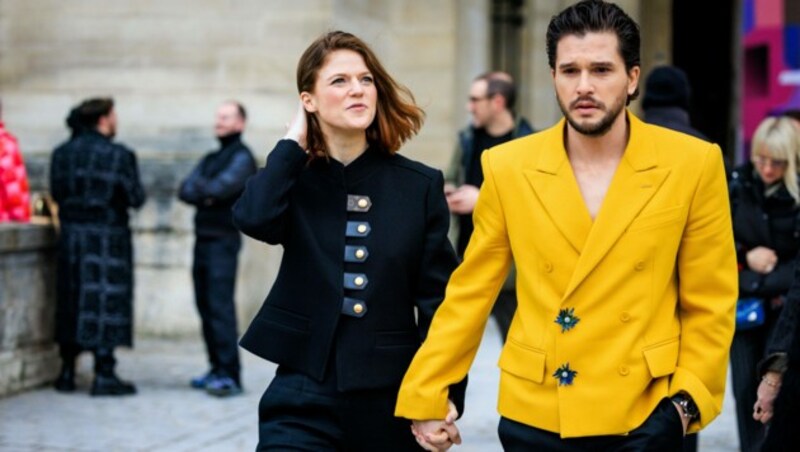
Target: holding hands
435, 434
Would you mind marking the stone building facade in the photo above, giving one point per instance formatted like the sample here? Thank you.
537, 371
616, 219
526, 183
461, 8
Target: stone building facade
169, 63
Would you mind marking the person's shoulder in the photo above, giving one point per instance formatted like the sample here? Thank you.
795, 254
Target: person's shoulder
413, 167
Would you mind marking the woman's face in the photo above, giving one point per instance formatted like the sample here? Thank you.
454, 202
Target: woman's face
344, 97
770, 169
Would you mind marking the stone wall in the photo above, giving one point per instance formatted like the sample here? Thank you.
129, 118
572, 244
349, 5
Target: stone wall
28, 355
168, 64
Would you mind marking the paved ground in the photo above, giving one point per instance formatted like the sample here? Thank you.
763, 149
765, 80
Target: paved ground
167, 415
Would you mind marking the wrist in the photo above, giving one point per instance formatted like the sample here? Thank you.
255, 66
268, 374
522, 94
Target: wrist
688, 408
772, 379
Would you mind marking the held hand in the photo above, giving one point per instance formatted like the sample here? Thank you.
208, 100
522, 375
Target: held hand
462, 201
684, 419
298, 127
767, 392
762, 260
437, 435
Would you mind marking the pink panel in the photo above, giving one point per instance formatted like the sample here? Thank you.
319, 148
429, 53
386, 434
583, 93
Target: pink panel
757, 103
769, 13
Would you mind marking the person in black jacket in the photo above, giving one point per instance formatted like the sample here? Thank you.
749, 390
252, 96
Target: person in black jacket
366, 256
213, 186
94, 181
764, 204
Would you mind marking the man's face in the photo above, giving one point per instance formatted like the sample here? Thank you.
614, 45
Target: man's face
109, 127
228, 120
479, 105
592, 84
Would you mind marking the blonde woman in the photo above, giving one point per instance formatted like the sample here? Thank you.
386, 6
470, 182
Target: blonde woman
764, 198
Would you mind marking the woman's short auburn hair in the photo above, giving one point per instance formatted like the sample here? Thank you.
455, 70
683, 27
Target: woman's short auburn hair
398, 117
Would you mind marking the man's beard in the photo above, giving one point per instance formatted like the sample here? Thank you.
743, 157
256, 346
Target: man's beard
593, 129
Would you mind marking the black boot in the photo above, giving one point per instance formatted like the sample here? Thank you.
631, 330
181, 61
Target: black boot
106, 382
66, 379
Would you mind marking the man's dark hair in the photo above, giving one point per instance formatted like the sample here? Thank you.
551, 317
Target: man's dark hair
596, 16
91, 110
502, 84
240, 108
793, 113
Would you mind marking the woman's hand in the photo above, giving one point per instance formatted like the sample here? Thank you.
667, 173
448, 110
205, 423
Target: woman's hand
298, 128
767, 391
438, 435
762, 260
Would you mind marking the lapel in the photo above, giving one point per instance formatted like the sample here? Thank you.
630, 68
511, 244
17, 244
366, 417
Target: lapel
636, 180
556, 187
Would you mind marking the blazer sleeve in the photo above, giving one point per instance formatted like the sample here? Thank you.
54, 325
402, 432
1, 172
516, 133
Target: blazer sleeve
261, 211
438, 262
457, 327
707, 278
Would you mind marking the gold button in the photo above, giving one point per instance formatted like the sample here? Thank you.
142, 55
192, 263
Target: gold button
362, 228
359, 281
358, 308
360, 254
625, 317
623, 370
548, 267
363, 203
639, 266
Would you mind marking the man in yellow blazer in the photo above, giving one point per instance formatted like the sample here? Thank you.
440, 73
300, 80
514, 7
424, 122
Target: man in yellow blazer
626, 269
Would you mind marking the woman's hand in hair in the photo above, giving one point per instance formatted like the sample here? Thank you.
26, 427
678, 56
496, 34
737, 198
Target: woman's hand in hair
297, 129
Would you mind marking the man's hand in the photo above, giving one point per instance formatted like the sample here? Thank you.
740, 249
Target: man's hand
767, 391
437, 435
463, 199
684, 419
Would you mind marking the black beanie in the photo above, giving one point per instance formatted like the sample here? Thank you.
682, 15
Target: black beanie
666, 86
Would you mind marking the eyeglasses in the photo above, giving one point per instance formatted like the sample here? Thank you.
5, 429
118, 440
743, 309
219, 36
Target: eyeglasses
475, 99
761, 160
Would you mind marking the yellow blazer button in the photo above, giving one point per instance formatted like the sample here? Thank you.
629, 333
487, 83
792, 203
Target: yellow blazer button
362, 202
639, 266
548, 267
360, 254
623, 370
359, 281
358, 308
362, 228
625, 317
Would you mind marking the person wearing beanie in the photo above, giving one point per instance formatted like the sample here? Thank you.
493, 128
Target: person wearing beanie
666, 100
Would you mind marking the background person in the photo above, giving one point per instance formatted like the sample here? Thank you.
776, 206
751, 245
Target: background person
491, 107
213, 187
95, 182
766, 224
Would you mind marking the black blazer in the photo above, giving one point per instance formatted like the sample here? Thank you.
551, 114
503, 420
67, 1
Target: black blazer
364, 244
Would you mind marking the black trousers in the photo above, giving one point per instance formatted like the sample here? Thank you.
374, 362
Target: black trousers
298, 413
214, 274
746, 351
662, 431
104, 360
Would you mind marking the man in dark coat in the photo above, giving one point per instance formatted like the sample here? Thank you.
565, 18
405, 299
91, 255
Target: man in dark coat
213, 187
95, 181
493, 122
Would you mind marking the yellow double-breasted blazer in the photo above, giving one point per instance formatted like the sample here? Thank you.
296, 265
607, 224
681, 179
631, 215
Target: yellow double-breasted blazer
614, 314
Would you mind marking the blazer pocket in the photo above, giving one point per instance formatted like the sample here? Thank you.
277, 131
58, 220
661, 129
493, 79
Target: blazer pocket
657, 219
662, 358
523, 361
285, 318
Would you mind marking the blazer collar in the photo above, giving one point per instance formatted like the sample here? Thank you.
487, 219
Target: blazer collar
637, 179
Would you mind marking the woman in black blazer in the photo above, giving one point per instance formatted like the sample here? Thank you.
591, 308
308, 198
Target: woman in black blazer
366, 257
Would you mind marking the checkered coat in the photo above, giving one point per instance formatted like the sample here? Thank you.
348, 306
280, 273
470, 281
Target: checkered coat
95, 182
